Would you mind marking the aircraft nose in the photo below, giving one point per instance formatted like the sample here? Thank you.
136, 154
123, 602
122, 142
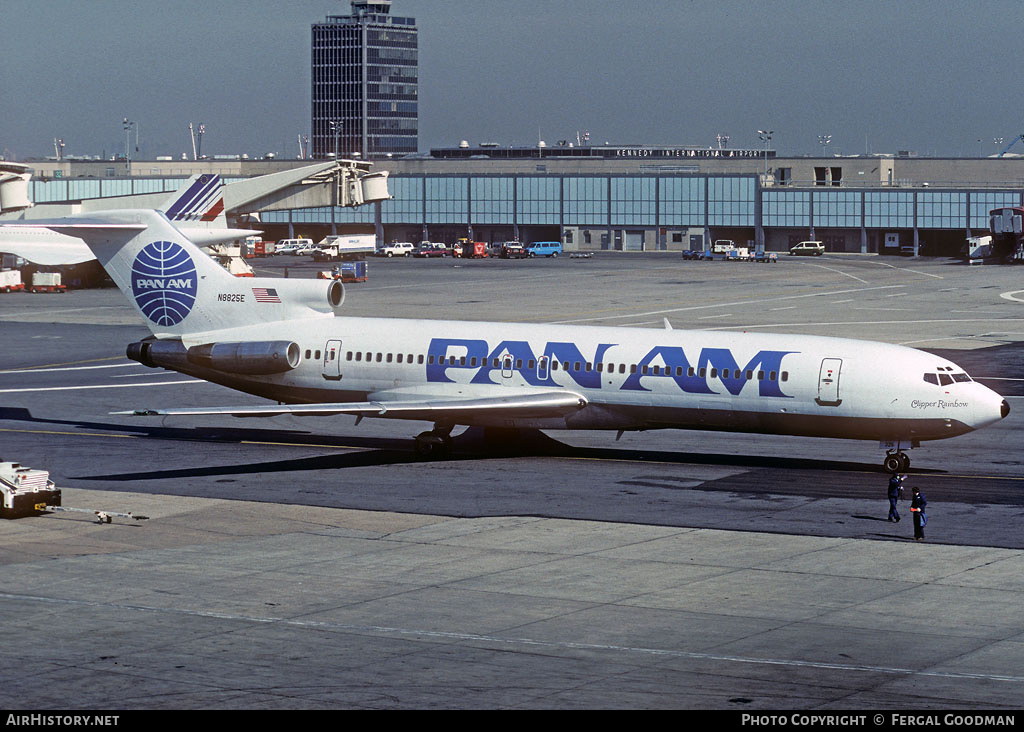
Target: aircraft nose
1004, 409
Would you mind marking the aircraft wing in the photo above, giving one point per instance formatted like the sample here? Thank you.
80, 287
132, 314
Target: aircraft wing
46, 253
53, 244
449, 408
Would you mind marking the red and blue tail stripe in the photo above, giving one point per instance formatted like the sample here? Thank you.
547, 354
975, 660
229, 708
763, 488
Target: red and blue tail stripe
199, 201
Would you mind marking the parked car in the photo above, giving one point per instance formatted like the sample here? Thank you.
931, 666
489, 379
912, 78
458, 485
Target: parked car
808, 248
544, 249
293, 246
430, 249
512, 250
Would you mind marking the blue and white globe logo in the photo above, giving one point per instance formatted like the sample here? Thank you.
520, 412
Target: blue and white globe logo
164, 282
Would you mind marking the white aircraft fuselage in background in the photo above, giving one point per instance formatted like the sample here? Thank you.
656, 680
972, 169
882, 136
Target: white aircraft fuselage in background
288, 341
197, 208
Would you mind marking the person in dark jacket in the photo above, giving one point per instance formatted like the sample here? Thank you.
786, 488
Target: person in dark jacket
917, 505
895, 494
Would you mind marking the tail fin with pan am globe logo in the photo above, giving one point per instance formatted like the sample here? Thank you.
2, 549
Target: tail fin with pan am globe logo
178, 290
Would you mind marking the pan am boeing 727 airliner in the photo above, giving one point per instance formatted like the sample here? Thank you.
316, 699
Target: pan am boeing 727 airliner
289, 341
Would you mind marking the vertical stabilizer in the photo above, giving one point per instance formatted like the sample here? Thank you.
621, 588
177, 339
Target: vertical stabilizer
178, 290
200, 199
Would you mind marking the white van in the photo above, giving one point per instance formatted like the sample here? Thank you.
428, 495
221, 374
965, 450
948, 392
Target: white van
294, 246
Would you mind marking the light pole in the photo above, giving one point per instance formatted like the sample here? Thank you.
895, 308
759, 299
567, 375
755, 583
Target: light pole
336, 129
127, 124
765, 135
824, 140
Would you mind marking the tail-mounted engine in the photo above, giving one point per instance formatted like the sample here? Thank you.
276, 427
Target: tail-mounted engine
244, 357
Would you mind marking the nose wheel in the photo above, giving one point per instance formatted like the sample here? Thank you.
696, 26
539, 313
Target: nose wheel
896, 461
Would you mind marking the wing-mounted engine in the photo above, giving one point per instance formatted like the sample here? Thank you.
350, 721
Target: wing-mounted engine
241, 357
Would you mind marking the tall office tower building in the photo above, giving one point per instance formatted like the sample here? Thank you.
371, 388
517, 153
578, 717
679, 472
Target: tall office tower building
365, 83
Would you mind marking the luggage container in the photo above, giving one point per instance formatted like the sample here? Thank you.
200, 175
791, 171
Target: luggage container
47, 282
10, 281
354, 271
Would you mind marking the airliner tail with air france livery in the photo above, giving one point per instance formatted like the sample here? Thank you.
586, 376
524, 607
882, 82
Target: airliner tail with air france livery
290, 342
197, 208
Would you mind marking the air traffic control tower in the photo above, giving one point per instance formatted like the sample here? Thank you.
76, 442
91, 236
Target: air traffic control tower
365, 84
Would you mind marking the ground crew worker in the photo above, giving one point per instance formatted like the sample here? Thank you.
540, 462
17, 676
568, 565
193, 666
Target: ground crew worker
917, 504
895, 494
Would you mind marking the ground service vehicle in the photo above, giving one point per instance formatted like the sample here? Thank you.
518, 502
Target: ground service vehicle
544, 249
808, 248
348, 247
10, 281
475, 250
47, 282
24, 491
263, 248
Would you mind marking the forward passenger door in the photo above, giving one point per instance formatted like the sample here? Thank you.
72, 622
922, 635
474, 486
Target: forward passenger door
828, 382
332, 360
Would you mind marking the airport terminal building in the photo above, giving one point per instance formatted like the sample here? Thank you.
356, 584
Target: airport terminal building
628, 198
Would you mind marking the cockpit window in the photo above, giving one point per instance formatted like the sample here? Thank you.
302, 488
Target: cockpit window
946, 379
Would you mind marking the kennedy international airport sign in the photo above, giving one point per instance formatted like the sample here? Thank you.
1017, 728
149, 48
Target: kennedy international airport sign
689, 153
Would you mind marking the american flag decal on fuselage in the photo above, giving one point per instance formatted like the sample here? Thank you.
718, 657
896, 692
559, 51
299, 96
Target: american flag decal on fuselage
263, 294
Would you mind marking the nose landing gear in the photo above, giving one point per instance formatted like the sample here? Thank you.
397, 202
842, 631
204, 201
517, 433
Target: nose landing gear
896, 461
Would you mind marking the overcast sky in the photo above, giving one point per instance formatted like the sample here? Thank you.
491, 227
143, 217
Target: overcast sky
940, 77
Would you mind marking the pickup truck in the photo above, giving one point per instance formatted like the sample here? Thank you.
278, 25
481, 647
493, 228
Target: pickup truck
512, 250
395, 249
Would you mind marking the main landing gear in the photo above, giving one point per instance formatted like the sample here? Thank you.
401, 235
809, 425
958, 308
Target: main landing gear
896, 461
436, 443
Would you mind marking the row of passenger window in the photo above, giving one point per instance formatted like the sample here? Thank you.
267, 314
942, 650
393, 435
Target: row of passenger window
575, 366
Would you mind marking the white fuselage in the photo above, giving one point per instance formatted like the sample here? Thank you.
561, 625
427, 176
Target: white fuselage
631, 378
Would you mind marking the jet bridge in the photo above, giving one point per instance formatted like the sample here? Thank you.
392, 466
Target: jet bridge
334, 183
14, 179
341, 183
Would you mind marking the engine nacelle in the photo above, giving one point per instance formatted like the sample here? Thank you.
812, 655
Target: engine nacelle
247, 357
311, 293
156, 353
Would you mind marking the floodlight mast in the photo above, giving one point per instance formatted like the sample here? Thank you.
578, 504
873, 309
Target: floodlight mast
766, 136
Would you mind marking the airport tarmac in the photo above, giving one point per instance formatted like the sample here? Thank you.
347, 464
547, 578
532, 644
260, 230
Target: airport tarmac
312, 563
